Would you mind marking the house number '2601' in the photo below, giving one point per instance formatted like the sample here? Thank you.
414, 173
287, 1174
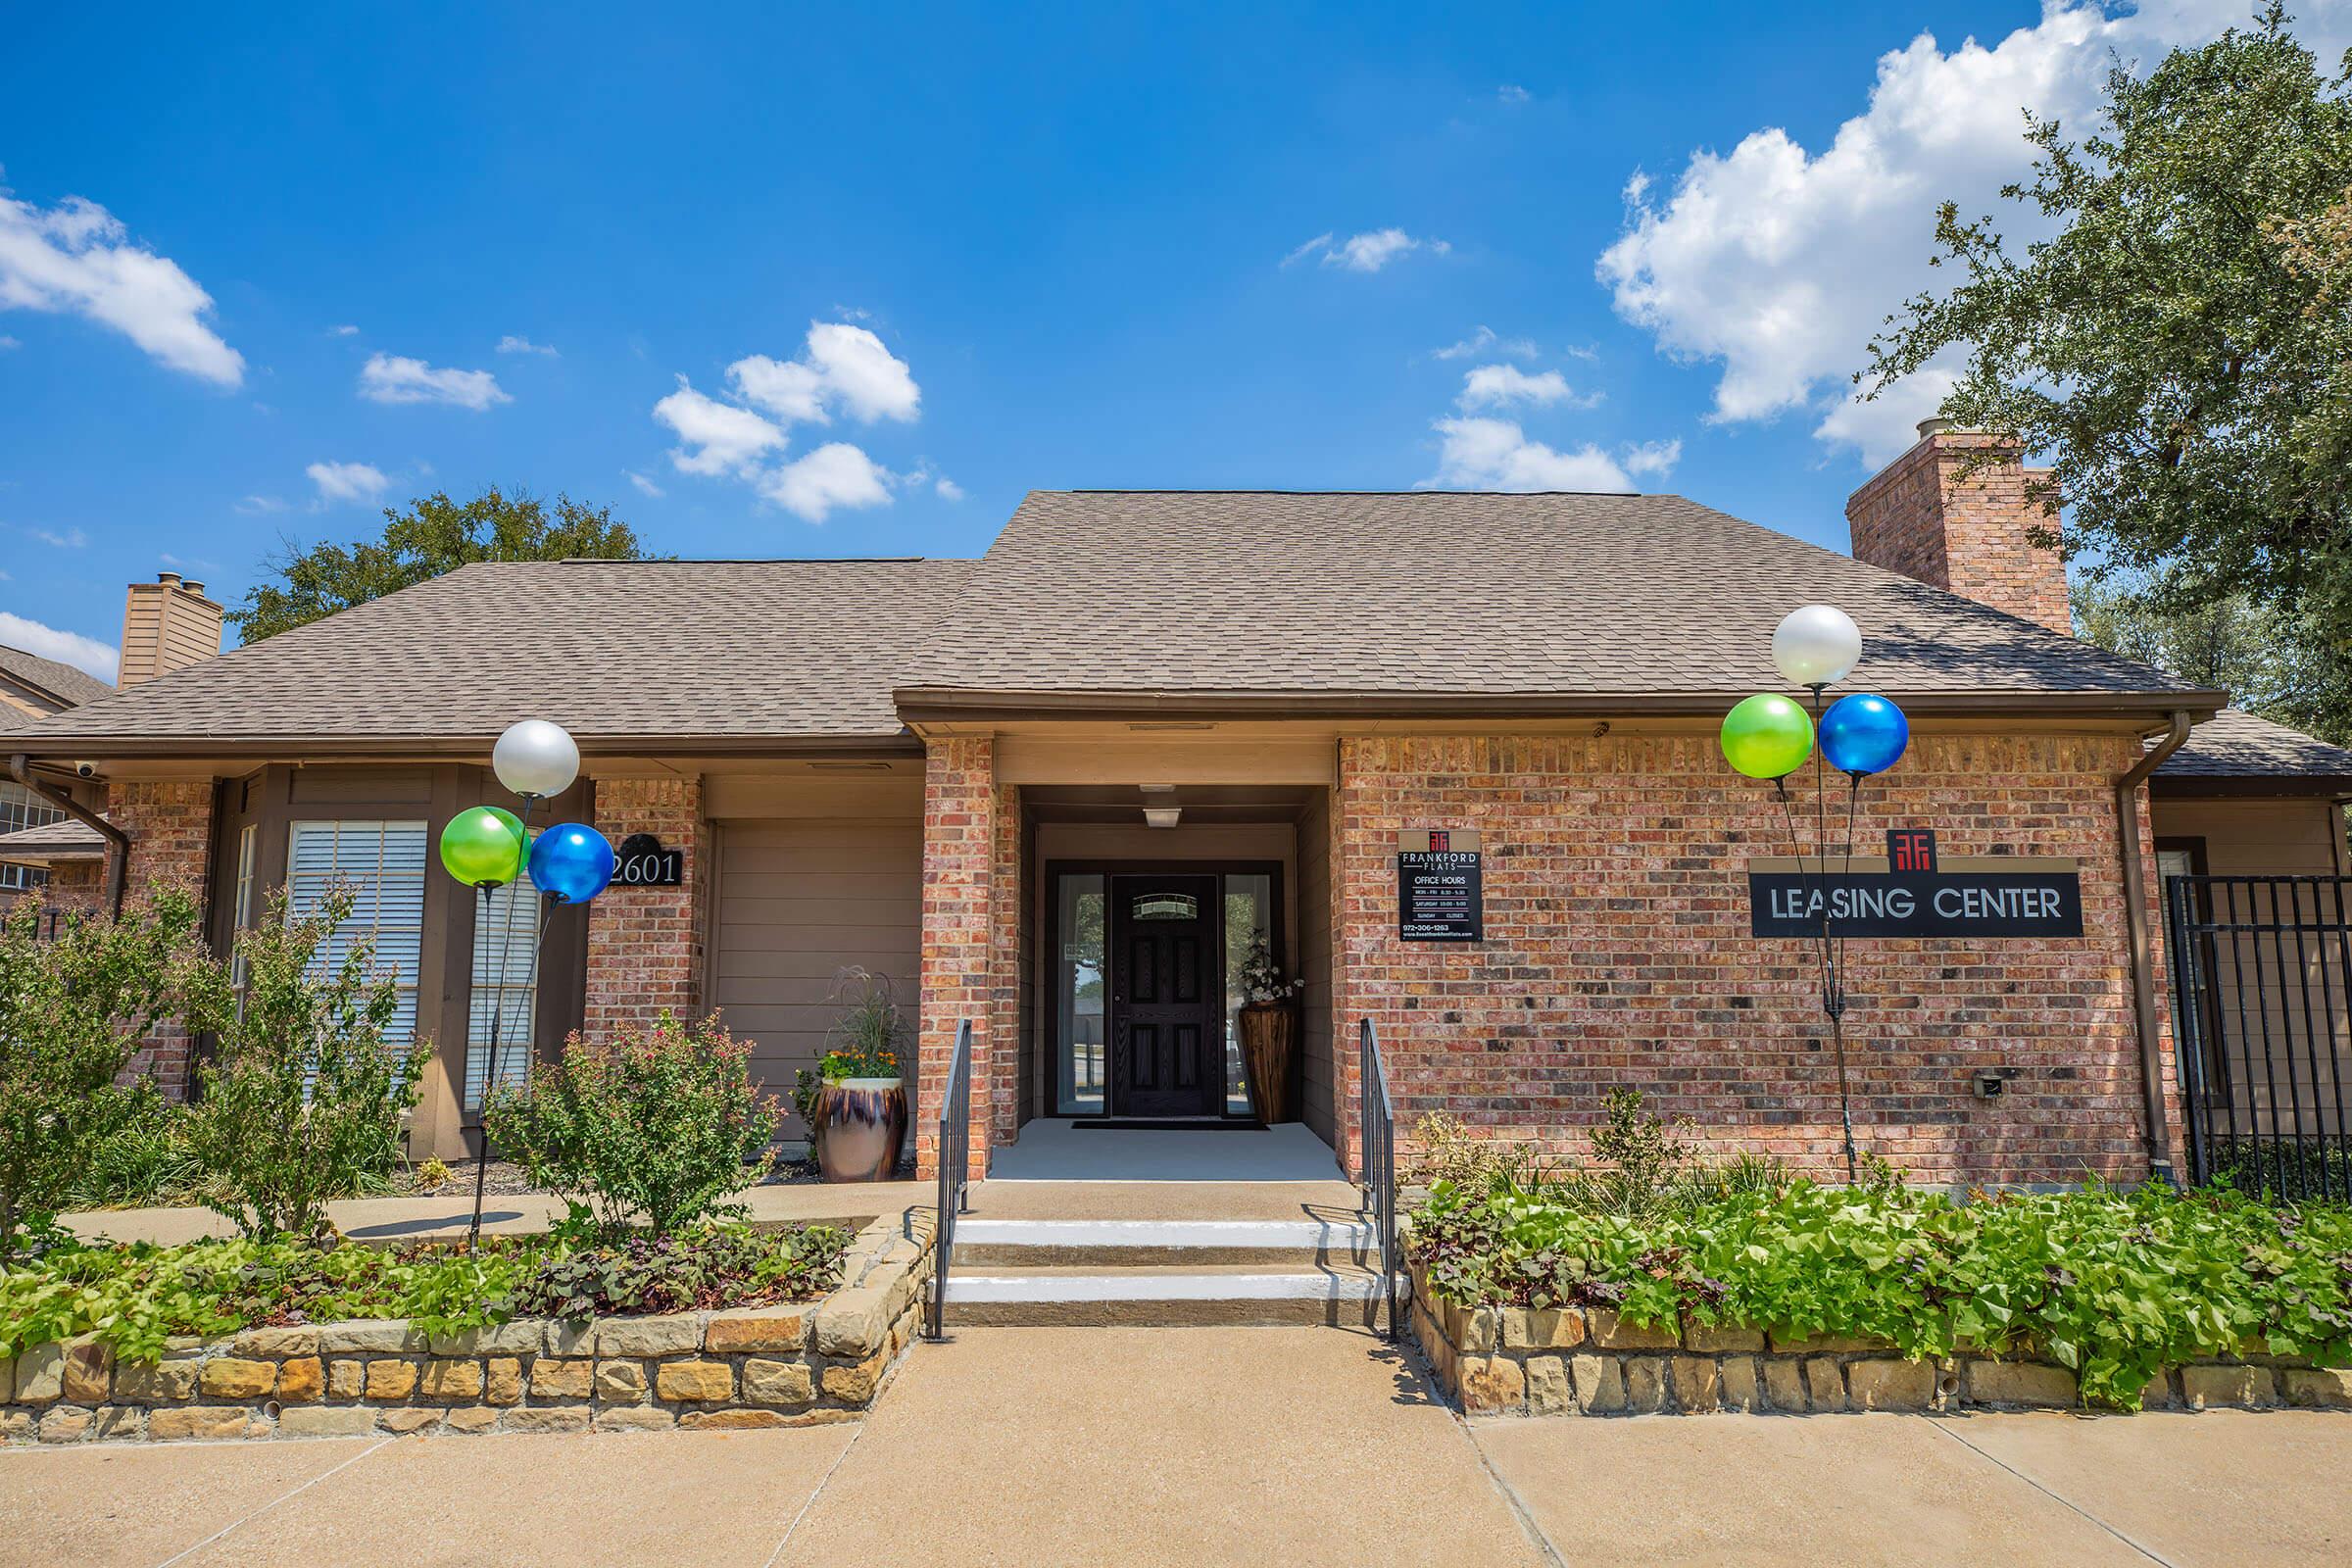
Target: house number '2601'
644, 863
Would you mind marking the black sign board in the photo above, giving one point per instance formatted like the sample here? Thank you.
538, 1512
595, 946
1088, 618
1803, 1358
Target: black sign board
1438, 894
644, 864
2019, 900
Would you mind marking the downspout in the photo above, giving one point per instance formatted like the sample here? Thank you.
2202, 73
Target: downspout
2144, 957
117, 865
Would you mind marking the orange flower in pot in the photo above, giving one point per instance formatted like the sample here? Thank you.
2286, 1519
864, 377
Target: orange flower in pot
855, 1107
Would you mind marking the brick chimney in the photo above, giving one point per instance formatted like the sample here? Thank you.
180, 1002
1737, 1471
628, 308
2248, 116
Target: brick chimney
1921, 517
167, 624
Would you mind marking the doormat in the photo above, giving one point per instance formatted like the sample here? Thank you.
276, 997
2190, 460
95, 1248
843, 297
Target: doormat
1140, 1124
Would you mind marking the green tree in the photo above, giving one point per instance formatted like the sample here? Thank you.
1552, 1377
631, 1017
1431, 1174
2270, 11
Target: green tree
435, 535
2180, 347
2270, 660
305, 1098
72, 1012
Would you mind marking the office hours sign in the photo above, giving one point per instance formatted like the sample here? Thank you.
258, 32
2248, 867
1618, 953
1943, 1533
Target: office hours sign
1439, 895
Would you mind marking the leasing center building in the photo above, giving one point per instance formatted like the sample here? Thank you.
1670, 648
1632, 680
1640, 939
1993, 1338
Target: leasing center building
1056, 792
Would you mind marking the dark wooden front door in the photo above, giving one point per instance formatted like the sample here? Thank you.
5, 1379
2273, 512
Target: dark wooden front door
1168, 1005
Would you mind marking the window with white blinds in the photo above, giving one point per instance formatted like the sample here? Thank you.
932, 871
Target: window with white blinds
506, 932
383, 863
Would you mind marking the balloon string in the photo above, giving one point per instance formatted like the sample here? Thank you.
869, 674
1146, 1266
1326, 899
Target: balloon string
1806, 877
497, 1000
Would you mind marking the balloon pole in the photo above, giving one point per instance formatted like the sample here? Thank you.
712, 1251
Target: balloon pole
498, 998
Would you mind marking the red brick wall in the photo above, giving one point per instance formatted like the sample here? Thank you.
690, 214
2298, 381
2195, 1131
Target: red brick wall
1921, 517
646, 945
169, 823
1617, 953
971, 925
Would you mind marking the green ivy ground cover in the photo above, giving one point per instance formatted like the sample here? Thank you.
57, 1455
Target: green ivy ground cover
2115, 1285
135, 1296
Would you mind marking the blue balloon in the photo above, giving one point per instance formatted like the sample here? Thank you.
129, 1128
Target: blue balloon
571, 861
1863, 734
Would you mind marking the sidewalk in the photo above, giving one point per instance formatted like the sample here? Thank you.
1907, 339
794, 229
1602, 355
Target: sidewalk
1047, 1447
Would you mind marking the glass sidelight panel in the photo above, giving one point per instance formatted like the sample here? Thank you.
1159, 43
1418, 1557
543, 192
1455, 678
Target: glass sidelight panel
1249, 914
1081, 997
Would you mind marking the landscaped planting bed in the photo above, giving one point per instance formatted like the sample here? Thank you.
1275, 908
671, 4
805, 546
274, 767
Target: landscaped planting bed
721, 1326
1798, 1297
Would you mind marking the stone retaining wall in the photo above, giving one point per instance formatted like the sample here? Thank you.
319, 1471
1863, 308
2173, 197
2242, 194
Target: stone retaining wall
1516, 1361
796, 1364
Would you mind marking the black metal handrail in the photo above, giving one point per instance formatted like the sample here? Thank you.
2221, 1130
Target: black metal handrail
954, 1151
1376, 1128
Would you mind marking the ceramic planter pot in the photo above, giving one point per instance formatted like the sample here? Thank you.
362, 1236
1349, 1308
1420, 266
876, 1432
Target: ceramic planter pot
860, 1129
1270, 1052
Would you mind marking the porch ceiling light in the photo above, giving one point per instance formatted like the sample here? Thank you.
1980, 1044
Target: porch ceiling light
1163, 815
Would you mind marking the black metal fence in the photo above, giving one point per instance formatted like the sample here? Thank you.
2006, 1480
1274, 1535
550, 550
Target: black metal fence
1376, 1121
2262, 989
954, 1151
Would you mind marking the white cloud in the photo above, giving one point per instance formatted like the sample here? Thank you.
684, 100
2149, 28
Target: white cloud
510, 344
842, 368
1492, 387
86, 654
948, 489
345, 331
1778, 264
391, 378
71, 539
6, 343
261, 506
347, 481
645, 486
77, 258
1655, 458
1510, 92
1367, 252
1496, 455
1487, 340
835, 475
722, 438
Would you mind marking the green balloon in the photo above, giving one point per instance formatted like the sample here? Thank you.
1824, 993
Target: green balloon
483, 847
1767, 736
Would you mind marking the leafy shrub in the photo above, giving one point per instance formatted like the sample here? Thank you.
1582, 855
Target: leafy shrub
2283, 1167
1447, 1150
142, 1161
304, 1100
135, 1296
2113, 1285
1639, 1166
702, 1266
72, 1012
433, 1175
655, 1127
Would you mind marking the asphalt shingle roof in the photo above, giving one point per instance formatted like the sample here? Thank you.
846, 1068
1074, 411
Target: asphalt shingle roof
2235, 744
608, 649
1449, 593
64, 840
70, 686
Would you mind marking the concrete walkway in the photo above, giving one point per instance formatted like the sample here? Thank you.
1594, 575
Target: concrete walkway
1214, 1446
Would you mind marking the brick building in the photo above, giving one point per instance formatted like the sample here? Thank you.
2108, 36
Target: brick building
1057, 792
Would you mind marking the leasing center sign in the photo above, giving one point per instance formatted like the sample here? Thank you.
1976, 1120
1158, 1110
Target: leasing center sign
1988, 896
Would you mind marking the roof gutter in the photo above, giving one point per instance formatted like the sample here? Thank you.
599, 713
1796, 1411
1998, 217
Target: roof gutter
117, 865
943, 704
2143, 947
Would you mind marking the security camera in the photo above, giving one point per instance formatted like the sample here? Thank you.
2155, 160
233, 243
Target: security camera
85, 770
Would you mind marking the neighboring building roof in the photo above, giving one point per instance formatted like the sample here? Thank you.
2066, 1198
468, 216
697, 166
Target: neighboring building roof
2234, 752
618, 652
67, 686
1459, 603
62, 840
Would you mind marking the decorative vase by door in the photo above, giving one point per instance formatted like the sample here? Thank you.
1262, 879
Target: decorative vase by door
1270, 1051
861, 1127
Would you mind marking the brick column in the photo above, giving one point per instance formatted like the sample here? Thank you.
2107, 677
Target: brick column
970, 943
646, 945
169, 823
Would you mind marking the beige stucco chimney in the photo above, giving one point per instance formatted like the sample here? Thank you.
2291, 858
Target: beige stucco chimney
167, 624
1921, 517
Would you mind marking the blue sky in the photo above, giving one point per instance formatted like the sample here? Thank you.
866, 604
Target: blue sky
260, 277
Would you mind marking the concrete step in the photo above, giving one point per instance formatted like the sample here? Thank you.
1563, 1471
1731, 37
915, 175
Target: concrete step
1151, 1297
1277, 1245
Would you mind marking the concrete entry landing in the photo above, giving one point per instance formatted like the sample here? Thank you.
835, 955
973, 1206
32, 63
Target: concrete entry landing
1058, 1150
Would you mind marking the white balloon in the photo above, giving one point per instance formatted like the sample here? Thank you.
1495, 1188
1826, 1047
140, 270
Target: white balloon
1818, 645
535, 757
